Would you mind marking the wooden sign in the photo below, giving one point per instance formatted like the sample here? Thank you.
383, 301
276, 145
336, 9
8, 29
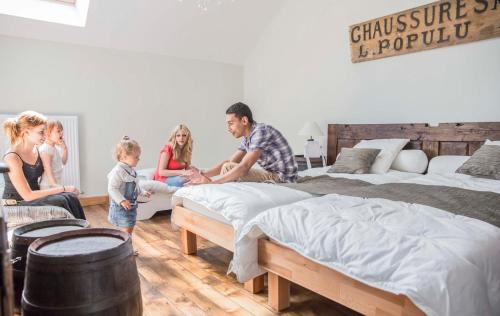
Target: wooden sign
439, 24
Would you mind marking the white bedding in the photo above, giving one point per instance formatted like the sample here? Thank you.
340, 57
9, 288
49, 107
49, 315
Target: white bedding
390, 176
203, 210
457, 180
237, 202
446, 264
243, 197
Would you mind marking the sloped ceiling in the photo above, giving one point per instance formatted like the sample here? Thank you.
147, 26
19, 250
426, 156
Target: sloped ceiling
225, 33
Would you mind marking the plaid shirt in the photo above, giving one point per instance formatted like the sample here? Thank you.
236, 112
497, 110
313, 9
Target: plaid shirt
277, 156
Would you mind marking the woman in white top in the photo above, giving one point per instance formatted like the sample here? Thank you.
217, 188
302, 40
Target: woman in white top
53, 159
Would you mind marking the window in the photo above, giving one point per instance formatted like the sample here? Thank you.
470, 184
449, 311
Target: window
69, 12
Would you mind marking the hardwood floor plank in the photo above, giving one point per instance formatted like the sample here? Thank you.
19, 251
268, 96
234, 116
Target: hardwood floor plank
176, 284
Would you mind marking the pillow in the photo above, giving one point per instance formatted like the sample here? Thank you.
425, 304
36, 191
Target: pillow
390, 148
492, 142
484, 163
354, 160
414, 160
446, 164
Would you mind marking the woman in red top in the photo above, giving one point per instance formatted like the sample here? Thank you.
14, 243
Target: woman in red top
175, 158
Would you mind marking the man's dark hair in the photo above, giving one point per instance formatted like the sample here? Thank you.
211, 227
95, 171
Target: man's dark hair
239, 110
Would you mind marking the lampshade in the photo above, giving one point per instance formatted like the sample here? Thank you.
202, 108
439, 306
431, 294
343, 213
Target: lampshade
310, 129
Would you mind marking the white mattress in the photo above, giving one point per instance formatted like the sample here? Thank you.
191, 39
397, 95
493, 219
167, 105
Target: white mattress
203, 210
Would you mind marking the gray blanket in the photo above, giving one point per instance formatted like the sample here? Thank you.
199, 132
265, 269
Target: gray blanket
484, 206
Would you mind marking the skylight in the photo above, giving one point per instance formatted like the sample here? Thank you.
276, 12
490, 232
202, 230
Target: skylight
69, 12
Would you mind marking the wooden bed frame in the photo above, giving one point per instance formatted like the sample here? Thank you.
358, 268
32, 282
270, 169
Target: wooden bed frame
194, 224
285, 265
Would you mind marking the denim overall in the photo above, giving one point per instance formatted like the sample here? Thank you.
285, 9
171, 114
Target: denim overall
119, 216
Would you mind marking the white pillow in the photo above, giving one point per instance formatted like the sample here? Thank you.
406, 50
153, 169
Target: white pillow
446, 164
390, 148
492, 142
413, 160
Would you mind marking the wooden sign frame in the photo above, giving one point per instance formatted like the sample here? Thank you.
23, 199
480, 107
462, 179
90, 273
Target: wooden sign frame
438, 24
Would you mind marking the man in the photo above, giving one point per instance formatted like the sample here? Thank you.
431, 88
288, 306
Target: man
261, 143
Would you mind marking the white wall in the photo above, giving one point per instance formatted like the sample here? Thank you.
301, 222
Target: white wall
301, 70
116, 93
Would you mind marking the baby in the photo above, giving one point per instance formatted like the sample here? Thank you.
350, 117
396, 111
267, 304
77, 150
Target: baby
123, 185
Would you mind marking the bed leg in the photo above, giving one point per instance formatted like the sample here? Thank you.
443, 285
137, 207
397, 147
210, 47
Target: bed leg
188, 242
255, 285
279, 292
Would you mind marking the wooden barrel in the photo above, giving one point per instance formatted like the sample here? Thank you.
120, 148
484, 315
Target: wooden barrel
85, 272
6, 288
23, 236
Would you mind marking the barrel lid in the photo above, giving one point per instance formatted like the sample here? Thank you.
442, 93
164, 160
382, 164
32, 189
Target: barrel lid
97, 243
79, 245
47, 231
28, 233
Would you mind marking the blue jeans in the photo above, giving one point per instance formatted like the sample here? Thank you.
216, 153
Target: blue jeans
175, 181
120, 217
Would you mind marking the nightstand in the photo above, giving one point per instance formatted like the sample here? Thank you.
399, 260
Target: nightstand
302, 163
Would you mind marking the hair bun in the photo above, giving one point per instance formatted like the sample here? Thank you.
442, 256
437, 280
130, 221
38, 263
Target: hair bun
125, 138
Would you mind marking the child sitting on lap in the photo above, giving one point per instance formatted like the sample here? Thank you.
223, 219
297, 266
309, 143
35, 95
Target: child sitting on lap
53, 160
123, 185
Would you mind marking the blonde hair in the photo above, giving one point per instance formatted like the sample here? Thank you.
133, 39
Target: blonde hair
54, 124
16, 126
185, 153
126, 146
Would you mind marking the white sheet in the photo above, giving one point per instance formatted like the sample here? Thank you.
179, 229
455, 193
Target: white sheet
446, 264
238, 202
457, 180
203, 210
390, 176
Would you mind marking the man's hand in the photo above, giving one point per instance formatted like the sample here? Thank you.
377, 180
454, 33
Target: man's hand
192, 173
199, 179
193, 168
146, 194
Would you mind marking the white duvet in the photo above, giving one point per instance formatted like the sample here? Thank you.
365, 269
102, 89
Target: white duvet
446, 264
239, 202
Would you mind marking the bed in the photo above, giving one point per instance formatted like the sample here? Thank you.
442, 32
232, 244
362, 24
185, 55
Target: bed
285, 261
217, 213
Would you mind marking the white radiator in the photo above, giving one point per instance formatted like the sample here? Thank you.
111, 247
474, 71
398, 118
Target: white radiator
71, 171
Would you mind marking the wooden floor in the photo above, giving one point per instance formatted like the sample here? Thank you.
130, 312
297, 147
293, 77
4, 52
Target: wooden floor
177, 284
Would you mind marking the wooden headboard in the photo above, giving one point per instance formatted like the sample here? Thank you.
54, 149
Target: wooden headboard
444, 139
